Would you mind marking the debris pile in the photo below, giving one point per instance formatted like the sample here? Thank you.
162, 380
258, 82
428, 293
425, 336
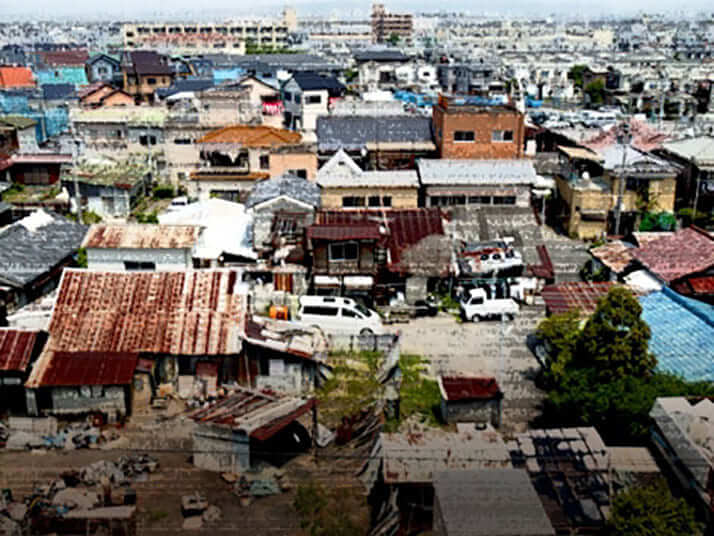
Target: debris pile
73, 436
196, 511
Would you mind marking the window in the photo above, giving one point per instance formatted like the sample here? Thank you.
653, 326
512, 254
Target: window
182, 141
464, 135
264, 161
480, 200
300, 173
313, 99
287, 96
320, 311
297, 98
132, 266
505, 200
352, 201
349, 313
376, 201
502, 136
346, 251
151, 81
447, 200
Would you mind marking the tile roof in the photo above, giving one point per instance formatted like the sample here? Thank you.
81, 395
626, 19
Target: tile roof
199, 313
354, 133
310, 81
16, 77
58, 91
490, 502
699, 149
574, 296
468, 171
87, 368
644, 137
342, 172
682, 334
16, 348
685, 252
340, 231
142, 236
380, 55
145, 62
616, 255
34, 245
258, 414
455, 388
252, 136
294, 187
17, 121
76, 57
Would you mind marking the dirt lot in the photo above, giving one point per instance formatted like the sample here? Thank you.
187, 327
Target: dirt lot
159, 498
487, 348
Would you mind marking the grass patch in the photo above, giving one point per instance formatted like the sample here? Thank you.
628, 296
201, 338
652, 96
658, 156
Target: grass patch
154, 516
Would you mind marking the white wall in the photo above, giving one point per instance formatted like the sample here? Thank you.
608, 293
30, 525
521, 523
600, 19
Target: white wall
113, 259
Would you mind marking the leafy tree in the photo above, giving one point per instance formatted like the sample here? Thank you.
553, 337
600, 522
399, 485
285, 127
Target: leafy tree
663, 221
576, 75
560, 335
393, 39
82, 257
651, 511
615, 338
595, 91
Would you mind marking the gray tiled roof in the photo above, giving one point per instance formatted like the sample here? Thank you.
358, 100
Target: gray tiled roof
495, 172
353, 133
288, 185
493, 502
26, 251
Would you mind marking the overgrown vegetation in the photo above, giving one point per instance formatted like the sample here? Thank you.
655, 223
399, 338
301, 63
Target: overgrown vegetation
163, 191
576, 75
334, 511
689, 217
651, 511
662, 221
603, 374
146, 217
82, 257
89, 217
595, 92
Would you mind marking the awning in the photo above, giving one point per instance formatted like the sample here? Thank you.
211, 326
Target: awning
326, 281
580, 153
358, 281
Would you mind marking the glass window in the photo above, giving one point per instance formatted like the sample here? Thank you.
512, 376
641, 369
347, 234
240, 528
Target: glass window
353, 201
502, 135
464, 135
320, 311
346, 251
264, 161
349, 313
313, 99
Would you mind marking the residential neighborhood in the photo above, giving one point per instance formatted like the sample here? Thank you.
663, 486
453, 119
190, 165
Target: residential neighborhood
357, 271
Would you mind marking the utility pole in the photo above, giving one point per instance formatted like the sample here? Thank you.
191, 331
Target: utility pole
623, 138
696, 191
75, 157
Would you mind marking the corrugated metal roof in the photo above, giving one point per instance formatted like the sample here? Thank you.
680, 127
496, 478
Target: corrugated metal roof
615, 255
340, 231
354, 133
16, 77
476, 172
685, 252
16, 349
252, 136
702, 285
141, 236
454, 388
87, 368
575, 296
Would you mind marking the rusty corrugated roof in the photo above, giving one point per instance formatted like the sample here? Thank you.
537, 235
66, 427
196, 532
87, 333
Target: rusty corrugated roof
685, 252
16, 349
88, 368
252, 136
343, 231
575, 296
141, 236
455, 388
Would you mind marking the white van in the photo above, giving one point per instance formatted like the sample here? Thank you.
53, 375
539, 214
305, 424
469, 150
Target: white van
342, 316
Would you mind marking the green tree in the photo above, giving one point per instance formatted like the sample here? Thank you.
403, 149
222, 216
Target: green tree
615, 338
576, 75
393, 39
560, 335
595, 90
651, 511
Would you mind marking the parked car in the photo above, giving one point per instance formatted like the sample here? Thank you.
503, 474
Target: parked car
476, 306
342, 316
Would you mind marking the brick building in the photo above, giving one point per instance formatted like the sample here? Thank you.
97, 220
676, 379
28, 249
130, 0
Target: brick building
474, 127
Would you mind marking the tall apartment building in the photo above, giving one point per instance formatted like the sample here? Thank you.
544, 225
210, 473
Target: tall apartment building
227, 38
385, 24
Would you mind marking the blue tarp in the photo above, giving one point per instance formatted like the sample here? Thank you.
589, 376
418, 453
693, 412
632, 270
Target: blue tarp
221, 75
682, 334
62, 75
13, 104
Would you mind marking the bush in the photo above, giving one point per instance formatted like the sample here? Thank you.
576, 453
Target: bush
663, 221
89, 217
163, 191
147, 217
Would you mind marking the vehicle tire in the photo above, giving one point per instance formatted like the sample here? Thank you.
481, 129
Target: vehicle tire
366, 332
475, 318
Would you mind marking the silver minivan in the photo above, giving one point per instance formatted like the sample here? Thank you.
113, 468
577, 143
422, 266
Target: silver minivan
343, 316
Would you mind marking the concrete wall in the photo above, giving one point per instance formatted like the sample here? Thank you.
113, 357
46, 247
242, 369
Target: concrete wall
401, 197
113, 259
281, 163
263, 219
27, 140
220, 449
478, 411
520, 192
103, 398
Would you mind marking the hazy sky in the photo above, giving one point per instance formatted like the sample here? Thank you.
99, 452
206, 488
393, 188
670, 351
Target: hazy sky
128, 9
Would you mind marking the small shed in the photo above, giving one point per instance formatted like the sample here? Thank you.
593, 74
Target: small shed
470, 399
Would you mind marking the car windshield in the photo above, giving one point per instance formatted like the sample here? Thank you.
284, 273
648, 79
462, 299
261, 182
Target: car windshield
362, 309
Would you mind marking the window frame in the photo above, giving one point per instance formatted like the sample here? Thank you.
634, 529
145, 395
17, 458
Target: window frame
333, 256
465, 139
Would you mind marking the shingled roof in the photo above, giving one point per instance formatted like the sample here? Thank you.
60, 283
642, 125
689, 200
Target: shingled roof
353, 133
289, 186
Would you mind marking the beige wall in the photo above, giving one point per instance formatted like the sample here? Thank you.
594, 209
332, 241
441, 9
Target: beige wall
280, 163
401, 197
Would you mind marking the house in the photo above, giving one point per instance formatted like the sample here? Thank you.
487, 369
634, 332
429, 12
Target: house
475, 127
345, 185
470, 399
234, 158
141, 247
307, 96
58, 94
486, 502
589, 185
568, 468
103, 68
18, 350
101, 93
20, 133
235, 432
476, 78
477, 182
37, 169
695, 156
264, 99
144, 72
16, 78
104, 323
682, 436
33, 253
62, 74
377, 142
282, 209
377, 68
581, 296
109, 188
216, 246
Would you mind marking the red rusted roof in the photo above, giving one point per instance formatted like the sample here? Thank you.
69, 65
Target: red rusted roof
574, 296
16, 349
685, 252
406, 227
88, 368
339, 231
16, 77
702, 285
141, 236
545, 269
469, 388
65, 57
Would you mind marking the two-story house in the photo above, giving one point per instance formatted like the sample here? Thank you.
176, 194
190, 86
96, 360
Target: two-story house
145, 71
307, 96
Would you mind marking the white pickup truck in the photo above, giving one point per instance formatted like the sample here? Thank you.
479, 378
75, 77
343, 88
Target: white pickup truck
476, 306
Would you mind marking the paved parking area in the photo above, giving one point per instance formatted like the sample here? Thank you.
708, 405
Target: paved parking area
486, 348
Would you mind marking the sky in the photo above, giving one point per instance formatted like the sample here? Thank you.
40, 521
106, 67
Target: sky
221, 9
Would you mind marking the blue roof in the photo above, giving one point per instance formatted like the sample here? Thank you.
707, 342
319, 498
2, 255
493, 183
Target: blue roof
682, 334
60, 75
